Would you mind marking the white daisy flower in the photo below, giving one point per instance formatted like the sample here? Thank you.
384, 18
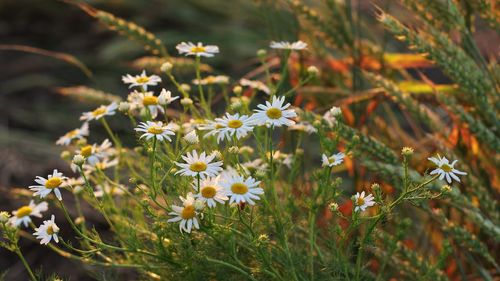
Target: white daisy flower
362, 202
241, 190
214, 128
141, 80
274, 114
93, 153
254, 84
199, 165
331, 115
445, 169
234, 125
210, 80
256, 165
47, 231
304, 127
187, 214
147, 100
100, 112
166, 98
210, 191
101, 165
298, 45
333, 160
155, 130
190, 49
78, 133
47, 185
106, 188
22, 215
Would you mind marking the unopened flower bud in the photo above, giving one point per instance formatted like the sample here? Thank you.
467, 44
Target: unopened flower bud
234, 149
217, 154
375, 187
78, 189
336, 111
237, 90
78, 160
313, 70
407, 151
166, 67
446, 188
185, 87
66, 155
124, 106
186, 101
262, 53
246, 150
4, 216
157, 165
333, 206
81, 142
79, 220
199, 204
191, 137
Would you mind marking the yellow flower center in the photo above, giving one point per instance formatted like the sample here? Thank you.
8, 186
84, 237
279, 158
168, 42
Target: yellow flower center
188, 212
239, 188
142, 80
23, 211
155, 130
235, 124
50, 230
72, 134
100, 165
274, 113
218, 126
150, 100
198, 167
53, 182
100, 111
198, 49
210, 80
208, 191
447, 168
360, 201
86, 151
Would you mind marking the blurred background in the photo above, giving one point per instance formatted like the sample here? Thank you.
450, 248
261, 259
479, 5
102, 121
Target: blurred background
33, 114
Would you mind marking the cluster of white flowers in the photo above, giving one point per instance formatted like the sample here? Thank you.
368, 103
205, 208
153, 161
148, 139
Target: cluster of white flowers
211, 182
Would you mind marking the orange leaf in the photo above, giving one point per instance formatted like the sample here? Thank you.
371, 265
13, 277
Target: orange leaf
348, 116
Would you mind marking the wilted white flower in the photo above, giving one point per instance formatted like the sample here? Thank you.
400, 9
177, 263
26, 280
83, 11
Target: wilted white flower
165, 97
47, 231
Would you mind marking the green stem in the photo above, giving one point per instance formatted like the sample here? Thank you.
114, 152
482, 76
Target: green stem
25, 263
